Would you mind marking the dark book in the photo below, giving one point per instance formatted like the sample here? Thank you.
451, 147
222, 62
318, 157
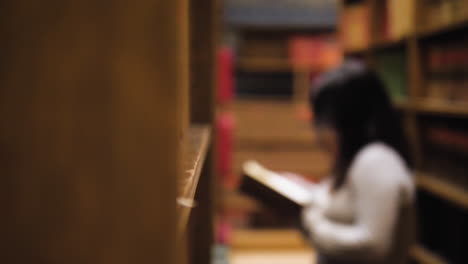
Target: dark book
286, 195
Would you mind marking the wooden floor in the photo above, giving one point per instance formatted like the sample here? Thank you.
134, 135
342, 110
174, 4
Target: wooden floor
270, 247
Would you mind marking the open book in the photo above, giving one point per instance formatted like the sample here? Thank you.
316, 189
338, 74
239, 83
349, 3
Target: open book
285, 192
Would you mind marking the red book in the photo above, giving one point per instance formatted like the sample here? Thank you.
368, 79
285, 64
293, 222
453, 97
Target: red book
225, 75
225, 127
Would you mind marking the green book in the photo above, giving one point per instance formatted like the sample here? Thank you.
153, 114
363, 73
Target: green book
391, 67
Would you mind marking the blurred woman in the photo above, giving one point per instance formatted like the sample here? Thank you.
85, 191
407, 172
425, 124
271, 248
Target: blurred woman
363, 212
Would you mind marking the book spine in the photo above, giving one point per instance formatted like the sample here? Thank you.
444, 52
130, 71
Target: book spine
355, 28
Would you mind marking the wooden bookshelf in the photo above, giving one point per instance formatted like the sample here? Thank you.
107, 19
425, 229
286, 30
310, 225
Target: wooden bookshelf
443, 189
424, 256
94, 179
416, 43
95, 152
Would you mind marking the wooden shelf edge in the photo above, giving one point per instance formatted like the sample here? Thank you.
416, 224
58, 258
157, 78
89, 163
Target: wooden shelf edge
264, 65
197, 150
424, 256
401, 104
204, 132
378, 45
389, 43
442, 29
356, 52
443, 189
441, 107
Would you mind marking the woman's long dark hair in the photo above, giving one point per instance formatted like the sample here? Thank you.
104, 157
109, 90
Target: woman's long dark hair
353, 100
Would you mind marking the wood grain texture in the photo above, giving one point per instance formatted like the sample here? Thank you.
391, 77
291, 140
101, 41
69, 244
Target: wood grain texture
91, 93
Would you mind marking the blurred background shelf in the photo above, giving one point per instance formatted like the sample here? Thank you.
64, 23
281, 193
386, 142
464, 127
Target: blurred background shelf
424, 256
443, 29
443, 189
273, 133
271, 121
377, 46
264, 65
441, 107
356, 52
388, 43
401, 104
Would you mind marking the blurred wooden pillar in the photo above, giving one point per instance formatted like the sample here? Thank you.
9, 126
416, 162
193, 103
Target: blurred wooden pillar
91, 116
203, 46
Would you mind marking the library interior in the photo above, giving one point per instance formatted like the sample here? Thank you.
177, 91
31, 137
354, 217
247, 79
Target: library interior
234, 131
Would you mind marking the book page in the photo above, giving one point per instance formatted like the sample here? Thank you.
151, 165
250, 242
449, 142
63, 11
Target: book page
294, 190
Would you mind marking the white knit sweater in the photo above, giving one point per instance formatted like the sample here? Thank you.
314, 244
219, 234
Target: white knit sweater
370, 218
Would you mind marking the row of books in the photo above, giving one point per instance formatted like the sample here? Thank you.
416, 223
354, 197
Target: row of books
396, 20
442, 228
446, 150
447, 70
438, 13
355, 26
281, 52
318, 52
450, 90
448, 59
